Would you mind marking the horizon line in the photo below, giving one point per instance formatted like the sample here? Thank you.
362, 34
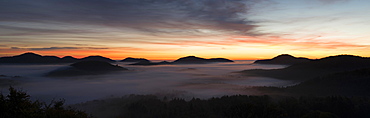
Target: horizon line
164, 59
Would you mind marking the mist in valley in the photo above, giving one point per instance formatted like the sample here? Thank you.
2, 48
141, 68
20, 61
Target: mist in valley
185, 81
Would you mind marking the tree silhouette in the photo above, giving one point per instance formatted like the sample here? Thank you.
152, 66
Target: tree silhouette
17, 104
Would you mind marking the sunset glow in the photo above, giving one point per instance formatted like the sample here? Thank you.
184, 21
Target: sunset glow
167, 30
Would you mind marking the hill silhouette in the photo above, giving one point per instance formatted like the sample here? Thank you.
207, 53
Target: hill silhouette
97, 58
283, 59
86, 68
96, 66
183, 60
32, 58
315, 68
349, 83
130, 59
69, 59
149, 63
198, 60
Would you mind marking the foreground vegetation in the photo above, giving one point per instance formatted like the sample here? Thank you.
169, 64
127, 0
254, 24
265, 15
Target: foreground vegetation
238, 106
17, 104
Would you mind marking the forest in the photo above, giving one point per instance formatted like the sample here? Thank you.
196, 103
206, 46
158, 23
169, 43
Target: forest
17, 104
236, 106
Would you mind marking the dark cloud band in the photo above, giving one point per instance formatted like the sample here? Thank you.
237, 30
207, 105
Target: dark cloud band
154, 16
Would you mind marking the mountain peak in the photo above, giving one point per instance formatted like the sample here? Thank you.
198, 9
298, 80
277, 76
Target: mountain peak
97, 58
198, 60
190, 57
284, 55
29, 54
68, 57
131, 59
284, 59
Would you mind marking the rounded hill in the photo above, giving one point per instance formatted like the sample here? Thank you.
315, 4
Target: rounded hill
86, 68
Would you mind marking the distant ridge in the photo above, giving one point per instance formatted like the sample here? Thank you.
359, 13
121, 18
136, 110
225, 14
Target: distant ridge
97, 58
149, 63
32, 58
198, 60
183, 60
67, 59
130, 59
283, 59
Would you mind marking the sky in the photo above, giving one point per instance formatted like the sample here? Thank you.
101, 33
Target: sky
170, 29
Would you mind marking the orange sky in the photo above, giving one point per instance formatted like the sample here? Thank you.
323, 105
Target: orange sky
236, 48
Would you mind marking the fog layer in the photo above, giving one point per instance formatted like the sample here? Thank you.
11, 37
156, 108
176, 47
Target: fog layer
191, 80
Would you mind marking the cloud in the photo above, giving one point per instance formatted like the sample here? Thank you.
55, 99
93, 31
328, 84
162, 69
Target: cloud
291, 44
32, 30
96, 48
15, 48
332, 1
150, 16
56, 48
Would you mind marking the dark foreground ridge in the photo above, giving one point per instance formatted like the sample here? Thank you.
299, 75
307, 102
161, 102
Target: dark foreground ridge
315, 68
86, 68
343, 75
32, 58
349, 83
284, 59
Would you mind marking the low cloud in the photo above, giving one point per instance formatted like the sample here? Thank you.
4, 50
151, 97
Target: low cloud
96, 48
56, 48
15, 48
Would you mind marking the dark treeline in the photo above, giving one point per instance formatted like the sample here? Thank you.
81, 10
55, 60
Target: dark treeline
348, 83
17, 104
238, 106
